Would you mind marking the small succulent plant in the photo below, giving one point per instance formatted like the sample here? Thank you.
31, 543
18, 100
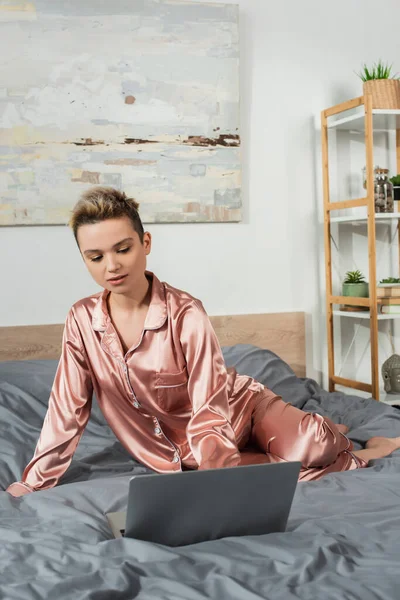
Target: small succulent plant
390, 280
395, 180
354, 277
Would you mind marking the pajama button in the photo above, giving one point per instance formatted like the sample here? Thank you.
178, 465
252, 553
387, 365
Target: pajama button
175, 459
136, 404
157, 430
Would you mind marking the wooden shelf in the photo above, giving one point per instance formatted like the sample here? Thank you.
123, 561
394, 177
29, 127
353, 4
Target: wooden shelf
357, 115
383, 120
390, 399
364, 315
350, 300
355, 301
385, 218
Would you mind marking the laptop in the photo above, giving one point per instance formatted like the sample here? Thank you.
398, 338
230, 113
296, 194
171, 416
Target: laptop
186, 507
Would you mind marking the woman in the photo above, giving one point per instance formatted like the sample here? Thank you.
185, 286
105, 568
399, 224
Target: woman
150, 354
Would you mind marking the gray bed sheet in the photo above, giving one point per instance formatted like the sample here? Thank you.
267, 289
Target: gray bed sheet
342, 541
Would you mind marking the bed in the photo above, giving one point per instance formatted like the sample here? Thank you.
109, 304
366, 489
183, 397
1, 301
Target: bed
343, 535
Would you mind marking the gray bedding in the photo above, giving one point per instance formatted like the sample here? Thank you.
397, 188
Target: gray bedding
342, 542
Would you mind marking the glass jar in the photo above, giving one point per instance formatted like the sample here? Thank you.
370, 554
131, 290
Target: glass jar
383, 191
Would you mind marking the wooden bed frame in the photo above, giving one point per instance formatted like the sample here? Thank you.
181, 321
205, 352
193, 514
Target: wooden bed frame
283, 333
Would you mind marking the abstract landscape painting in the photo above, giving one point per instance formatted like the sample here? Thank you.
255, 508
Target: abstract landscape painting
142, 95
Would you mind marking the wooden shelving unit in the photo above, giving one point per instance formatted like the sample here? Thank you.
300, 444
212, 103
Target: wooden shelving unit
368, 120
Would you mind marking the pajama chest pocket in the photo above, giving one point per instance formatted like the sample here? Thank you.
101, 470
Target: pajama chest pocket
172, 390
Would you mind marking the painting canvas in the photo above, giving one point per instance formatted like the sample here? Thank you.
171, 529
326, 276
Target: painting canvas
142, 95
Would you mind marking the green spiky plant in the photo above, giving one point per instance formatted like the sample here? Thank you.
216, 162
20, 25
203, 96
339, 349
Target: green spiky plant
379, 70
354, 277
390, 280
395, 180
355, 285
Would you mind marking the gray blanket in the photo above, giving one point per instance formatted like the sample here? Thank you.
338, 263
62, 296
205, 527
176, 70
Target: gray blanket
342, 541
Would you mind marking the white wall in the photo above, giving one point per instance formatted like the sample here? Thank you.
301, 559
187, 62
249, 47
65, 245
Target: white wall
296, 59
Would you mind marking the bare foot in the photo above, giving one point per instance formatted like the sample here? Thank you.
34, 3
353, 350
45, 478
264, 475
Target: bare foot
342, 428
383, 446
378, 447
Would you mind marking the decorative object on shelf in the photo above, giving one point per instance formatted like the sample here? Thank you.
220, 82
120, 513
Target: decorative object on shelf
389, 280
390, 305
395, 181
391, 374
383, 87
383, 191
351, 309
391, 309
355, 285
388, 288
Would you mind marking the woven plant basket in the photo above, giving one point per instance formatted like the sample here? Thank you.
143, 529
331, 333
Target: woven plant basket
385, 92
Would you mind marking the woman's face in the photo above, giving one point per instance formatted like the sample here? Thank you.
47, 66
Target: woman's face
113, 253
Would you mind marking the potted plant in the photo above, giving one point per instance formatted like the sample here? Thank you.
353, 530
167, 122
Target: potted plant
355, 285
381, 85
388, 288
395, 181
389, 281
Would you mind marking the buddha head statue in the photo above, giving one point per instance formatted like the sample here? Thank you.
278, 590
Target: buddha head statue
391, 374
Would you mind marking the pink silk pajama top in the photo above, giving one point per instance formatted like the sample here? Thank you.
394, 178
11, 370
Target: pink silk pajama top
170, 400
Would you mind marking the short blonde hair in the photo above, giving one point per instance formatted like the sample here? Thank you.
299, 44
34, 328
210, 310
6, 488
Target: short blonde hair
102, 203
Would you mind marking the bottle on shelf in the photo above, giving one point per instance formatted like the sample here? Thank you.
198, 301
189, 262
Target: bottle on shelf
383, 191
